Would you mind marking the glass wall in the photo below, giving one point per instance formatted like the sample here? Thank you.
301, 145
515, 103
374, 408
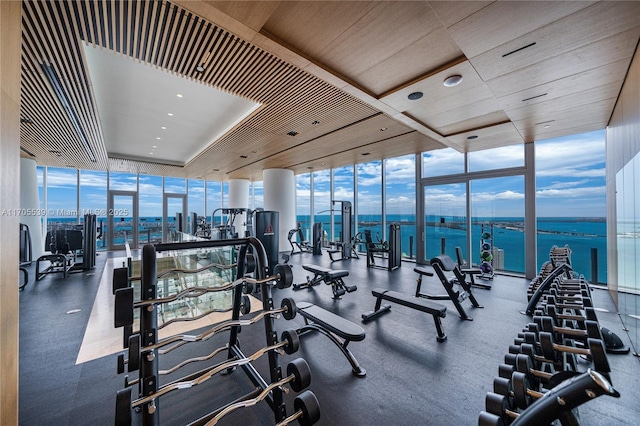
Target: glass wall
442, 162
150, 209
571, 201
93, 200
496, 158
303, 204
257, 197
400, 199
322, 202
62, 198
343, 180
369, 199
195, 202
497, 209
445, 209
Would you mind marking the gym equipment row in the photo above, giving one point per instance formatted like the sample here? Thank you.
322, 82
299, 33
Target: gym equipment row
558, 361
64, 247
144, 347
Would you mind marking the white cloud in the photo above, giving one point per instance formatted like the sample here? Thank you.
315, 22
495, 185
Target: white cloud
592, 191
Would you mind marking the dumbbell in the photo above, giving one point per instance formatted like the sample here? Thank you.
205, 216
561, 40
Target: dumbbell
133, 360
552, 311
307, 410
517, 390
524, 364
578, 305
498, 405
560, 401
594, 349
591, 330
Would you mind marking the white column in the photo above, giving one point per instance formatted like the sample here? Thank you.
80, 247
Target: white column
30, 203
239, 199
279, 195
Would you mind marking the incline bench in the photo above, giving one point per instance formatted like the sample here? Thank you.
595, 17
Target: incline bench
332, 277
436, 309
334, 327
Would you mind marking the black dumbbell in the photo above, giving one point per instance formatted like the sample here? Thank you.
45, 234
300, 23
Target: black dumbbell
499, 405
594, 349
307, 410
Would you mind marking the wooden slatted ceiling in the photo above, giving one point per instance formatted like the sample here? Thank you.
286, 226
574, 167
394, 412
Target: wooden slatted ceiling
174, 39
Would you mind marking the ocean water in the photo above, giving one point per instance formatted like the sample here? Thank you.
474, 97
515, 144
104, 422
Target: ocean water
507, 234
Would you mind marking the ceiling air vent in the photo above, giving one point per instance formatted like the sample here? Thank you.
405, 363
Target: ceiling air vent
518, 49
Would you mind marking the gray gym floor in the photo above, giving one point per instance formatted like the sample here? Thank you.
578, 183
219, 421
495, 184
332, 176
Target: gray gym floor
411, 378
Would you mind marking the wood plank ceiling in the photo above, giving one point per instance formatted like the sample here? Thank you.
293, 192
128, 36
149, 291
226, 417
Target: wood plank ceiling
335, 73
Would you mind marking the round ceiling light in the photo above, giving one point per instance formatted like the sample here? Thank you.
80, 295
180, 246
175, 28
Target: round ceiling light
452, 80
415, 96
200, 68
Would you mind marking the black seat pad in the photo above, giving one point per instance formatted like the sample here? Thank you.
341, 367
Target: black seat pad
329, 273
420, 304
332, 322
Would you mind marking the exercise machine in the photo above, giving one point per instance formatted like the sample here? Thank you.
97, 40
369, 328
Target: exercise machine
65, 245
391, 249
332, 277
339, 330
297, 241
442, 265
432, 308
469, 271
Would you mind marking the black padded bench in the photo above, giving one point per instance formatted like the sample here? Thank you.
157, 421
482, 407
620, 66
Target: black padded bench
436, 309
339, 330
332, 277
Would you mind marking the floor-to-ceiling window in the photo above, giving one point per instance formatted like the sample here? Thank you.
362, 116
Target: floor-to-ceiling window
571, 201
342, 192
303, 204
400, 199
445, 226
257, 195
369, 199
62, 197
322, 202
93, 200
497, 223
150, 202
196, 203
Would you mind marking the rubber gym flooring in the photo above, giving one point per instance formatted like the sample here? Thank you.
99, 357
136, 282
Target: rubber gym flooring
411, 378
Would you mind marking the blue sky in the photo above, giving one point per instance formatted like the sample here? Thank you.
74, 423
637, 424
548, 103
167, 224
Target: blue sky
570, 182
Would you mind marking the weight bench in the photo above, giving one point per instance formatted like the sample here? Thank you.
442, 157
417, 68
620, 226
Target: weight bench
332, 277
442, 264
339, 330
436, 309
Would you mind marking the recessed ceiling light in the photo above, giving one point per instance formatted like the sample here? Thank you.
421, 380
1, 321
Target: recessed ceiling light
310, 168
216, 170
472, 137
158, 137
200, 68
163, 128
170, 114
452, 80
154, 146
414, 96
292, 133
546, 126
243, 156
382, 129
315, 123
151, 153
365, 153
179, 95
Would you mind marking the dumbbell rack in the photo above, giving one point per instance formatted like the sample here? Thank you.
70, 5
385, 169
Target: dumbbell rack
147, 343
487, 230
540, 380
